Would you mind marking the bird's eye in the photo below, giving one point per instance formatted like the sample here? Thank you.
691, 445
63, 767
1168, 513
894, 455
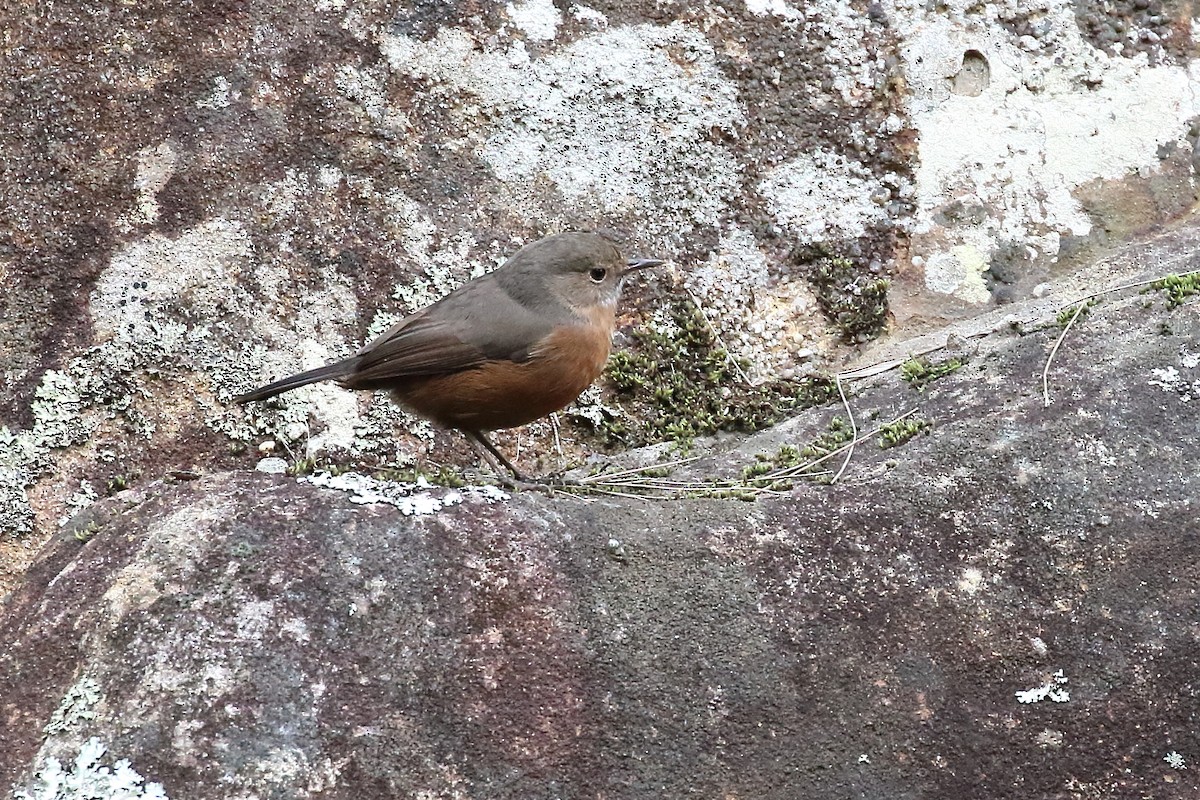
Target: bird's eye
598, 274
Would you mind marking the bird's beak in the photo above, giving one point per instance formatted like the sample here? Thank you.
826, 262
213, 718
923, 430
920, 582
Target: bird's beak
642, 263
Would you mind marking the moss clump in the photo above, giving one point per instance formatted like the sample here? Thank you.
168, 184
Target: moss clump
787, 456
441, 475
302, 467
920, 373
900, 431
1067, 314
760, 473
1178, 288
305, 466
854, 300
675, 383
839, 433
757, 474
85, 533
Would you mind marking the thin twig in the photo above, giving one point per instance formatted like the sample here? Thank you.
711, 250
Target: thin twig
668, 490
557, 440
1140, 284
853, 429
1054, 350
658, 486
604, 476
1082, 303
555, 490
881, 367
886, 366
614, 493
799, 469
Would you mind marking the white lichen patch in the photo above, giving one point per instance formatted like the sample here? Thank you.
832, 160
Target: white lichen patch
81, 499
446, 264
1172, 381
620, 121
998, 165
851, 51
537, 19
172, 299
823, 196
589, 15
297, 629
88, 776
78, 705
590, 406
158, 274
220, 96
367, 90
272, 465
958, 271
1049, 739
971, 581
58, 422
155, 166
218, 679
1054, 690
778, 8
16, 514
254, 619
364, 89
413, 499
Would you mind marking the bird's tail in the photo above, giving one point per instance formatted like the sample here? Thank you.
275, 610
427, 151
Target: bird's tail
338, 369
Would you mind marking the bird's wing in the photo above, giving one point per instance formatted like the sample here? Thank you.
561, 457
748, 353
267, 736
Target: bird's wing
419, 347
476, 324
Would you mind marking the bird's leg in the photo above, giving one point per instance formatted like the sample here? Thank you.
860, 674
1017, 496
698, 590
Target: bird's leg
481, 437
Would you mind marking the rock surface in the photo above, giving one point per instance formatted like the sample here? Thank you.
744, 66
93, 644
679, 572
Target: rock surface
199, 197
1005, 606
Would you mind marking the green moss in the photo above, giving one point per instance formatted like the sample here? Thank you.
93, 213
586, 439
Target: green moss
442, 475
788, 456
1178, 287
1067, 314
85, 533
301, 467
755, 474
839, 433
900, 431
674, 382
759, 468
853, 298
919, 373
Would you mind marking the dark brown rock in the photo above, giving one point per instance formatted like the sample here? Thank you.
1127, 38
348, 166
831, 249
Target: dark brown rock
1005, 606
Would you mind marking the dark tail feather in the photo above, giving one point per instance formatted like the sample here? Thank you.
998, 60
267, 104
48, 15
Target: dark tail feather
336, 370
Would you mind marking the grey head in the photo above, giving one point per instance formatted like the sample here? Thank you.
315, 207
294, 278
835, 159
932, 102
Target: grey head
579, 271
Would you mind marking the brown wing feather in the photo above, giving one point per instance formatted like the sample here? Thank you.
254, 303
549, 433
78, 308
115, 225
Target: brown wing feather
419, 347
470, 327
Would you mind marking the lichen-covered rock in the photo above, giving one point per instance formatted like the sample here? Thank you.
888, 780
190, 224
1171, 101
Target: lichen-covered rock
1001, 605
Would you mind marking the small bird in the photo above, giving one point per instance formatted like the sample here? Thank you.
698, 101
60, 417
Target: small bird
501, 350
